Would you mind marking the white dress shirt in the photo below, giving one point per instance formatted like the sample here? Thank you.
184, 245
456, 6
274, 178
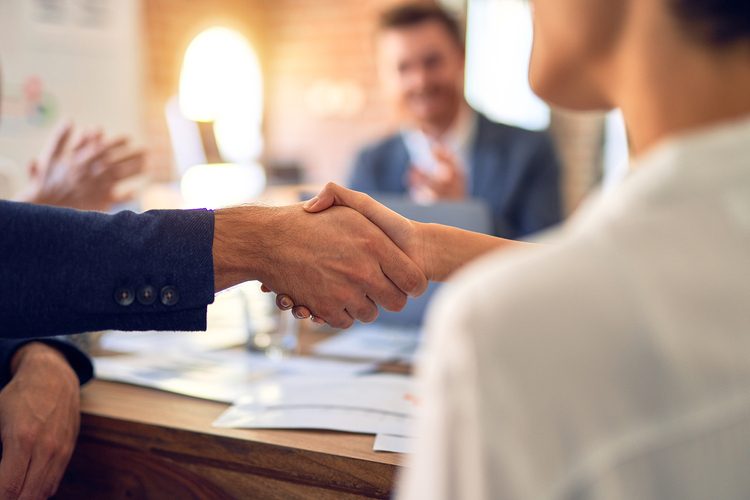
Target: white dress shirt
613, 363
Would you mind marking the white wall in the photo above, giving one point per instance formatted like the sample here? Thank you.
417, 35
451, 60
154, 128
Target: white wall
86, 54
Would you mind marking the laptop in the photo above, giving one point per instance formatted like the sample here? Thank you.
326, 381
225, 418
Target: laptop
472, 215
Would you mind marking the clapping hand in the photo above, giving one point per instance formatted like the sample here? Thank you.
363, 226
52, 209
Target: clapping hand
448, 182
83, 173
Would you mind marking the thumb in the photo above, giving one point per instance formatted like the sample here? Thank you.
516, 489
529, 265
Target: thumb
323, 200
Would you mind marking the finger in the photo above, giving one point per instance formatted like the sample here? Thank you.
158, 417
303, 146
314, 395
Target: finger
316, 319
387, 295
60, 141
380, 215
49, 462
301, 312
264, 288
126, 166
284, 302
106, 148
38, 476
13, 466
417, 178
54, 475
402, 271
446, 161
363, 309
84, 140
341, 320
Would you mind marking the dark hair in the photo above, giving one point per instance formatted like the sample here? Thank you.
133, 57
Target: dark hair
719, 22
412, 14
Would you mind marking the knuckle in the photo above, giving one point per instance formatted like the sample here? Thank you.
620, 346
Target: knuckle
12, 489
25, 438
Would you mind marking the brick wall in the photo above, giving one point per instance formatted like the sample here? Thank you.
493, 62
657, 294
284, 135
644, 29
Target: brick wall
169, 26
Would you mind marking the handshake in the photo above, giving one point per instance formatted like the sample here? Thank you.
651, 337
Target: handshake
335, 258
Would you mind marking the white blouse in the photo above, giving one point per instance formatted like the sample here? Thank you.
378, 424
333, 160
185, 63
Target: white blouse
613, 363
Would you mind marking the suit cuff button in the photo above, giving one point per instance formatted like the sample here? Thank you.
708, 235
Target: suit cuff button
169, 296
124, 296
146, 295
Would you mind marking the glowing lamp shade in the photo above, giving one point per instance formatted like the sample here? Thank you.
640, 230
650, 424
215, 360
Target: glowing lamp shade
221, 184
219, 72
221, 83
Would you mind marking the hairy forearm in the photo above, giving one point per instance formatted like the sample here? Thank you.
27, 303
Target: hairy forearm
449, 248
243, 243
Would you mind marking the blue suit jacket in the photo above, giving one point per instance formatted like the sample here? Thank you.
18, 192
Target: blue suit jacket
515, 171
65, 271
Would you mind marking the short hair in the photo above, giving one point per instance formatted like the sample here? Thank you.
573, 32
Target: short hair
718, 22
412, 14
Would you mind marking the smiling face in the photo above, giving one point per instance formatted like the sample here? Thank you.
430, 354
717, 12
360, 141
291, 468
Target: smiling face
421, 68
575, 43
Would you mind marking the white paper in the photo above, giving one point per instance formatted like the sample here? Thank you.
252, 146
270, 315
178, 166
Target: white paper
394, 444
334, 419
217, 375
371, 404
373, 342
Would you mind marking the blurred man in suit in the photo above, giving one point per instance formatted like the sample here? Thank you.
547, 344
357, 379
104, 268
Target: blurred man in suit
445, 150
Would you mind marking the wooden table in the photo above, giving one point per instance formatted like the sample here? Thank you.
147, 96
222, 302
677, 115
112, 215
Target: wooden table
137, 442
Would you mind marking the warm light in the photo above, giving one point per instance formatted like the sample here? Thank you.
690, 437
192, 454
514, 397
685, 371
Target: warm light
220, 185
220, 73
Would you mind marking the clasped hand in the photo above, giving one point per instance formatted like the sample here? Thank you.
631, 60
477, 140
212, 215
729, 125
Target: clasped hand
408, 237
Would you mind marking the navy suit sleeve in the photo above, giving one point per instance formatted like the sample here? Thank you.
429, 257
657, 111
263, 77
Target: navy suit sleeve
541, 205
364, 175
79, 361
66, 271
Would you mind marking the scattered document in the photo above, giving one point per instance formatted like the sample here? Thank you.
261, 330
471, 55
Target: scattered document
394, 444
374, 342
368, 404
221, 376
333, 419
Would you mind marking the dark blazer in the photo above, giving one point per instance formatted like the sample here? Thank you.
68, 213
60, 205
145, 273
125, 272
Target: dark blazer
65, 271
515, 170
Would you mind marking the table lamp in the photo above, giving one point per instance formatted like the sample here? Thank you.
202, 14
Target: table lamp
221, 89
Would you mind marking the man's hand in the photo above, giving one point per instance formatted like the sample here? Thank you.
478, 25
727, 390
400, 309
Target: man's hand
39, 421
337, 263
448, 182
82, 175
